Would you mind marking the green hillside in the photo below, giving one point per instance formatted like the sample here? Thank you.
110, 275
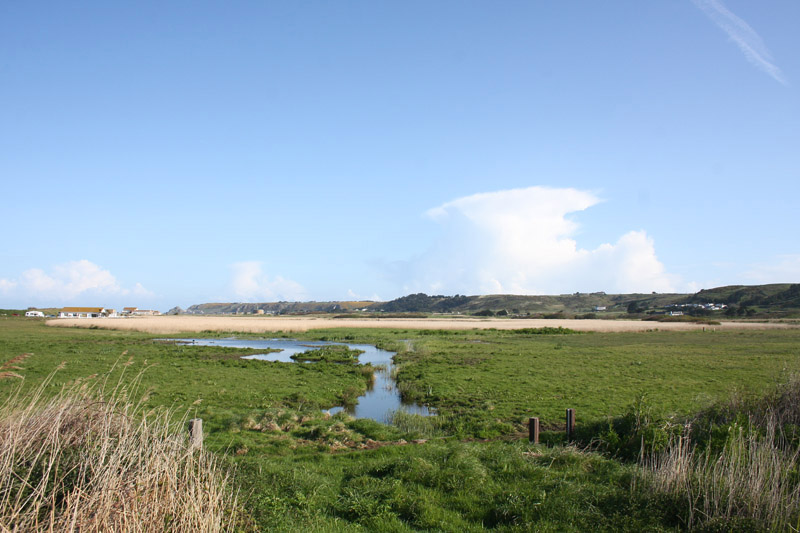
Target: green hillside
276, 308
779, 295
774, 301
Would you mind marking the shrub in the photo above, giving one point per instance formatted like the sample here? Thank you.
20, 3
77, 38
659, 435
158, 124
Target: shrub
639, 430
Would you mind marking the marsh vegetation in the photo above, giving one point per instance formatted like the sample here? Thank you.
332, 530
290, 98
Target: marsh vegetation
664, 419
91, 458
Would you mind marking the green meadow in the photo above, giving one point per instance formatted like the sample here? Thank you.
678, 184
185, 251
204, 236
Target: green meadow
470, 468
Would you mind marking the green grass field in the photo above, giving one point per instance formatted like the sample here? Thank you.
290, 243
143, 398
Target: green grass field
300, 469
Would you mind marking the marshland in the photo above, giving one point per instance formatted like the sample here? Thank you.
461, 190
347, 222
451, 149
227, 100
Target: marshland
676, 430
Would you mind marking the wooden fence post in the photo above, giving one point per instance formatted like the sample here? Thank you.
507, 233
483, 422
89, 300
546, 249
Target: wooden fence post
570, 424
196, 433
533, 430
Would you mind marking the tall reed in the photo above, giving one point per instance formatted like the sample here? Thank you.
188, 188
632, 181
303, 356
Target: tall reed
87, 460
753, 479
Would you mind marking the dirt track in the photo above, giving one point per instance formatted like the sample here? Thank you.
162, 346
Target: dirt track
188, 324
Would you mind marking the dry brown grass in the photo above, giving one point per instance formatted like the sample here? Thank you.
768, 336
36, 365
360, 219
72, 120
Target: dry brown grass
89, 461
165, 325
751, 482
13, 364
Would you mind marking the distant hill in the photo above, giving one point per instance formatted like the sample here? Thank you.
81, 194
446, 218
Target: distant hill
779, 295
524, 305
773, 300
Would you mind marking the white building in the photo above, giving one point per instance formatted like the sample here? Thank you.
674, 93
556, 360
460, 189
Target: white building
83, 312
135, 311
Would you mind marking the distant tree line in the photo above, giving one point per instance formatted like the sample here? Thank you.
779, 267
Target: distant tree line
421, 302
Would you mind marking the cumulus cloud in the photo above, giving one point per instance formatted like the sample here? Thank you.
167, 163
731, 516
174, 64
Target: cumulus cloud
745, 37
251, 284
521, 241
66, 282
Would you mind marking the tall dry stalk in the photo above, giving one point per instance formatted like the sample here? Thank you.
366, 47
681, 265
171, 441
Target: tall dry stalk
753, 478
7, 367
84, 461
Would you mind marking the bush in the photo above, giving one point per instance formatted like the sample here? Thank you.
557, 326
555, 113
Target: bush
639, 430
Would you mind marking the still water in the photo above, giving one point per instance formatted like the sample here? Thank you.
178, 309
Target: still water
378, 403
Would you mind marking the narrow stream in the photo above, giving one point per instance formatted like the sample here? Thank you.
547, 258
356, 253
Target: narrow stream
378, 403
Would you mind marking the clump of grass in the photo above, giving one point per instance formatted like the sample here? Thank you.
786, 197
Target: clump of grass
331, 354
89, 461
419, 426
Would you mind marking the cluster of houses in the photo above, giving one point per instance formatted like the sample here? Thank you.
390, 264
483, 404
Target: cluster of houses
678, 309
102, 312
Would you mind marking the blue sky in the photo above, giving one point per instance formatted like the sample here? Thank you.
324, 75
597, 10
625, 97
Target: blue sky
170, 153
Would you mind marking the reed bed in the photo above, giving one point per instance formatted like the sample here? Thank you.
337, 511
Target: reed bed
89, 461
748, 481
170, 325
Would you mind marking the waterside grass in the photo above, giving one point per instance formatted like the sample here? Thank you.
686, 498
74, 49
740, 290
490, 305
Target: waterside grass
330, 354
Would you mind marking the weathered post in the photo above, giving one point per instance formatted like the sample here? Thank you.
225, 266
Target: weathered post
533, 430
570, 424
196, 433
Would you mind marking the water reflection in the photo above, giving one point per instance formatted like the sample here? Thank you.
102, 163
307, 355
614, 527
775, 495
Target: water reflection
381, 398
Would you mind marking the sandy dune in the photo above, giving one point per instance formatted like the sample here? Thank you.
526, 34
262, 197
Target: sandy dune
188, 324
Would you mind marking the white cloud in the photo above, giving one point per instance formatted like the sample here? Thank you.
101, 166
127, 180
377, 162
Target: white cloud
68, 281
784, 269
520, 241
251, 284
743, 35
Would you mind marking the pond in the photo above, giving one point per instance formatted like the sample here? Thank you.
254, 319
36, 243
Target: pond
378, 403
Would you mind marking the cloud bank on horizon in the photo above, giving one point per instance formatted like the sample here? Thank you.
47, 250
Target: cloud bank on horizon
521, 241
745, 37
517, 241
66, 282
